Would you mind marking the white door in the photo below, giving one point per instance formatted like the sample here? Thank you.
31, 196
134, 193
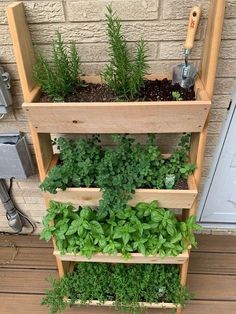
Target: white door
218, 202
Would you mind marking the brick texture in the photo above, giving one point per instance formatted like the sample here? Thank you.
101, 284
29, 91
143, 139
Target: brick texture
162, 23
93, 10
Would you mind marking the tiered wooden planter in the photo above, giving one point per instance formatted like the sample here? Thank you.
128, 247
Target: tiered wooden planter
121, 117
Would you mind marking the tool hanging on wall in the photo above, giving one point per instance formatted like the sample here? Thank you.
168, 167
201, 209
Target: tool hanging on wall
185, 74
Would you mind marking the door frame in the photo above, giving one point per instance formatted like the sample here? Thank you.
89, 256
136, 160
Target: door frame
217, 154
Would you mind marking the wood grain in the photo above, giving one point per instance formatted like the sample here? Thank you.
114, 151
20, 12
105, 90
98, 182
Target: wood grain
212, 287
213, 263
91, 196
136, 258
14, 280
132, 117
216, 243
41, 258
23, 49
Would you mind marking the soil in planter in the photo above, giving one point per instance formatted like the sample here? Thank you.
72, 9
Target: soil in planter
181, 184
158, 90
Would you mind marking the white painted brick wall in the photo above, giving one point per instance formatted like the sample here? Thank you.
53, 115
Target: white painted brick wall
160, 22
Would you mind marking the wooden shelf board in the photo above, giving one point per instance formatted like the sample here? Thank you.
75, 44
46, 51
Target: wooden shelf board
162, 305
136, 258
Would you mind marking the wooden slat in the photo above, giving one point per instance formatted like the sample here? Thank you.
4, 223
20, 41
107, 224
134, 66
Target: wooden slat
20, 241
91, 196
132, 117
213, 263
212, 287
148, 305
210, 307
23, 49
25, 281
41, 258
216, 243
136, 258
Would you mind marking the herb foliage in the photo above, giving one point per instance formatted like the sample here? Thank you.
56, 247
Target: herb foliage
126, 285
116, 171
176, 96
59, 77
78, 166
123, 75
145, 228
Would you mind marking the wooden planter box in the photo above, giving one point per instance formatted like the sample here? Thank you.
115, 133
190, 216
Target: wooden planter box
178, 199
136, 258
120, 117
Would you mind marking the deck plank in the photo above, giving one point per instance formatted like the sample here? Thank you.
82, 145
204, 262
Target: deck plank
210, 307
212, 263
24, 241
212, 287
25, 281
28, 257
216, 243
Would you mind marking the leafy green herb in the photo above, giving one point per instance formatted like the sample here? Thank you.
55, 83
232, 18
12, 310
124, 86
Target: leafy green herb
117, 171
60, 77
145, 228
79, 160
176, 96
125, 285
123, 75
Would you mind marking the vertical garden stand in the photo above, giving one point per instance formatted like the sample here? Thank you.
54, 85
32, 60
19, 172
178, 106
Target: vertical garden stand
131, 117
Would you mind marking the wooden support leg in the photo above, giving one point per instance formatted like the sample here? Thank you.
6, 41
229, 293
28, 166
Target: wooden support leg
184, 272
179, 310
43, 151
64, 267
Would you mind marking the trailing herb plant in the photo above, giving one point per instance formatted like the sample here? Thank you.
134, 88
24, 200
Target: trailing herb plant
78, 165
116, 171
59, 77
125, 285
145, 228
124, 75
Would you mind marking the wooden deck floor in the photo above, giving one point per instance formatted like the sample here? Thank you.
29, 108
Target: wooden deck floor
212, 277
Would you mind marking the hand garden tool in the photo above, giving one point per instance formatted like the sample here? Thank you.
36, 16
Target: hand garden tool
185, 74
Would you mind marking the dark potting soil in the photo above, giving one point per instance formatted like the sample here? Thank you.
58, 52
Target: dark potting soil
181, 184
158, 90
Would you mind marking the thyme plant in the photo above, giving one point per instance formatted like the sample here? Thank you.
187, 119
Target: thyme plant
125, 285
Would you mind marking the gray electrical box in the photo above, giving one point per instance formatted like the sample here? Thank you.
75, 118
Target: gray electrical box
15, 158
5, 95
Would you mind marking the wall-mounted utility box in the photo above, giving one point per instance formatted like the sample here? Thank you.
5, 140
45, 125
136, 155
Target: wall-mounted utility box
15, 158
5, 95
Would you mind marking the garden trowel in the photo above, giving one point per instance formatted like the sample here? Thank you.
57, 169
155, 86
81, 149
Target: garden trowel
185, 74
